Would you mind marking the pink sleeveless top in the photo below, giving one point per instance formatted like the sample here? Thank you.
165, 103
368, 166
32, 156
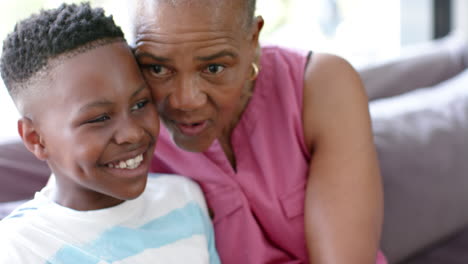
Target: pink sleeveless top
258, 208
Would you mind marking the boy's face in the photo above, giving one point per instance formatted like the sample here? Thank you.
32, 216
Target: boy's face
98, 128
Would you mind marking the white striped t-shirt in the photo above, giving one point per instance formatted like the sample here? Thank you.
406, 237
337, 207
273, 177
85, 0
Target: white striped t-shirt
168, 223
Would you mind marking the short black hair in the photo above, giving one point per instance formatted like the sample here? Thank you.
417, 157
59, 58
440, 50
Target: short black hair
38, 39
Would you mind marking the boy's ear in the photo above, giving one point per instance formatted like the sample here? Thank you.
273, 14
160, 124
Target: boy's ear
31, 138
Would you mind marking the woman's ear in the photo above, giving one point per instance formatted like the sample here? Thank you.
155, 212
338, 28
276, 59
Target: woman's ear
31, 138
257, 26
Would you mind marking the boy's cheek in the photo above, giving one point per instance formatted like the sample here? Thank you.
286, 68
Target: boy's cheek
152, 122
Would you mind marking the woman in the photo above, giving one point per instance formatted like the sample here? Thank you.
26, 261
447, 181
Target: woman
279, 140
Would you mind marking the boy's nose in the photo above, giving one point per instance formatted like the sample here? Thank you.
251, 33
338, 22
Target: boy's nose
128, 131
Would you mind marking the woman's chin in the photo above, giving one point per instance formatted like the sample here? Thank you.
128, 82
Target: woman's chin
192, 145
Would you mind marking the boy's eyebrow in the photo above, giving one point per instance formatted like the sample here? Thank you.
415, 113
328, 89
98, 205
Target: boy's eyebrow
106, 102
220, 54
94, 104
140, 88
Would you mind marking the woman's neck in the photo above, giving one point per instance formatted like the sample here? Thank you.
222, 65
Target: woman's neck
225, 138
229, 152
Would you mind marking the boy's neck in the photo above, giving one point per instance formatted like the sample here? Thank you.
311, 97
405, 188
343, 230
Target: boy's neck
67, 198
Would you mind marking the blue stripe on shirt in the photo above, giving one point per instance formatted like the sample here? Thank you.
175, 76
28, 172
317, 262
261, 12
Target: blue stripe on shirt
17, 213
120, 242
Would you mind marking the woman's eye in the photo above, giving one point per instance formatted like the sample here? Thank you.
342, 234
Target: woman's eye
214, 69
140, 105
159, 70
102, 118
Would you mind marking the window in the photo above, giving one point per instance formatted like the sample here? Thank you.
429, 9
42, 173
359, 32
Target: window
362, 31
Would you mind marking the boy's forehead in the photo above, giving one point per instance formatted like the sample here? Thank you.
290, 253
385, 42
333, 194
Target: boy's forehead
90, 47
77, 75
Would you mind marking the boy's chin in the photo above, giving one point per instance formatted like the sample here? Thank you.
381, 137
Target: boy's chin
135, 191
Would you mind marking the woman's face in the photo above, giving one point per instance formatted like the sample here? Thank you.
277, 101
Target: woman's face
196, 56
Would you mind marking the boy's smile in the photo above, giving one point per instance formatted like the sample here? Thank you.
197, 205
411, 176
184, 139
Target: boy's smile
130, 164
98, 127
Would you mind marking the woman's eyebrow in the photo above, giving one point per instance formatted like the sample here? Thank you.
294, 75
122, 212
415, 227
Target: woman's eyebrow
154, 57
222, 53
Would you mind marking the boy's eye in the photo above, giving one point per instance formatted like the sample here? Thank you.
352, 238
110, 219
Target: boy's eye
139, 105
214, 69
102, 118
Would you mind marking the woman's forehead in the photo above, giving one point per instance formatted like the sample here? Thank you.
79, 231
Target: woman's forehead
179, 3
224, 13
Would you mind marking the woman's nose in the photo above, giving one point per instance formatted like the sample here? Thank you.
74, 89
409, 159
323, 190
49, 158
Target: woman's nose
188, 95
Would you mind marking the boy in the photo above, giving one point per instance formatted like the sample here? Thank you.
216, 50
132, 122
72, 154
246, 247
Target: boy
88, 113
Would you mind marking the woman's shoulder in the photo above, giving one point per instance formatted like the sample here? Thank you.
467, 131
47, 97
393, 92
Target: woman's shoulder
316, 70
330, 75
283, 67
331, 85
316, 63
328, 64
275, 52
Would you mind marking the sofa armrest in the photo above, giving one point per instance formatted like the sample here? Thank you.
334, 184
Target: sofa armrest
419, 66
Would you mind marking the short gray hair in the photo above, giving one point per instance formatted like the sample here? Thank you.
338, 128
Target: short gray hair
250, 10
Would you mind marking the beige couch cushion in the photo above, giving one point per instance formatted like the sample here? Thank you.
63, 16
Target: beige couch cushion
422, 143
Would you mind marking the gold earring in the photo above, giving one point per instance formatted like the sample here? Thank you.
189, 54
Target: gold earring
254, 72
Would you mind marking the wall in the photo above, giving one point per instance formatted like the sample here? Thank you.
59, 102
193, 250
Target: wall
416, 24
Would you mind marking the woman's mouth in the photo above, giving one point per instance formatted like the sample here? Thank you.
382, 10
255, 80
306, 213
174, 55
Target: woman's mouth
128, 164
191, 129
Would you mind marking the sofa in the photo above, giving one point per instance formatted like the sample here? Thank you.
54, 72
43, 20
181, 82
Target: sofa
419, 109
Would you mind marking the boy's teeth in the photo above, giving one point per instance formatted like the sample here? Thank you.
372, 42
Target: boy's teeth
127, 164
